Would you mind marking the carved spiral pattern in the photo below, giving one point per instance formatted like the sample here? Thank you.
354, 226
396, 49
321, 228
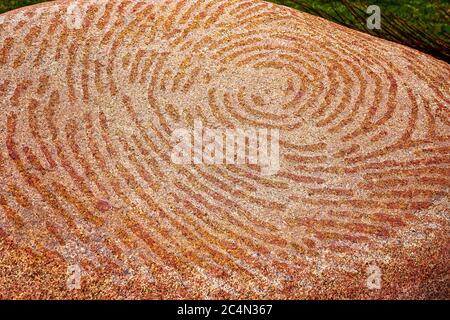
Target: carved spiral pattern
90, 92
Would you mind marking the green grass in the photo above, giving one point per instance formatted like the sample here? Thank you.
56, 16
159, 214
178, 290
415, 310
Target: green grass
422, 24
433, 14
6, 5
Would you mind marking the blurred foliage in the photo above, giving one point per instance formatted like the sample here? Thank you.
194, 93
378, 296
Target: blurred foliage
6, 5
434, 14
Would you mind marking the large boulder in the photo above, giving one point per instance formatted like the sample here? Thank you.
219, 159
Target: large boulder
91, 93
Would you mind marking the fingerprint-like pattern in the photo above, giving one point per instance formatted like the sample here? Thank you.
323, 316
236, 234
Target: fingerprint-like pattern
92, 90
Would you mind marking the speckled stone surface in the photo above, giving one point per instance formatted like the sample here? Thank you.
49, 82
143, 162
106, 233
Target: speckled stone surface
90, 92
